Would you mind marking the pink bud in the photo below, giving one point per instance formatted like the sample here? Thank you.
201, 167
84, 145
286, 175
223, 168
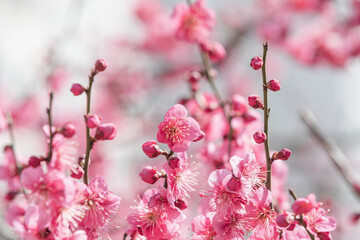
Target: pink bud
100, 65
10, 196
324, 236
149, 175
34, 161
105, 131
194, 76
259, 137
249, 116
81, 160
68, 130
181, 204
77, 89
273, 85
77, 173
215, 50
201, 136
284, 154
255, 101
92, 121
174, 162
284, 219
256, 62
303, 205
151, 149
239, 104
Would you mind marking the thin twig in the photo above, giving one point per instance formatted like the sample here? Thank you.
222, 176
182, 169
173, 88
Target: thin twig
266, 120
337, 156
89, 140
10, 124
49, 113
211, 80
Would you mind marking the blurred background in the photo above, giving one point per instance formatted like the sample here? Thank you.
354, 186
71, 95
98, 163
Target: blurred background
314, 52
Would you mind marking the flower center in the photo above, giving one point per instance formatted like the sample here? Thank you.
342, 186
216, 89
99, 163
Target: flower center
175, 130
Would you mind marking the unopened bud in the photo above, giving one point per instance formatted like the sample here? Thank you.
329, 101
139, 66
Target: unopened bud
283, 154
77, 173
259, 137
77, 89
106, 131
34, 161
68, 130
151, 149
149, 175
174, 162
273, 85
215, 50
255, 101
181, 204
256, 62
284, 219
100, 65
92, 121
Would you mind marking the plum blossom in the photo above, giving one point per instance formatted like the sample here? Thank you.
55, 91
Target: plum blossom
102, 209
193, 22
178, 130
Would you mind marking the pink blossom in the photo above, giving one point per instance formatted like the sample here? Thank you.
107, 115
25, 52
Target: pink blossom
102, 209
155, 217
202, 227
317, 221
178, 130
181, 180
215, 50
230, 225
8, 171
195, 22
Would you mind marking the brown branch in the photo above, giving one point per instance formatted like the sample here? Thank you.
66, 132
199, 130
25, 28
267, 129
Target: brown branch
336, 155
49, 113
266, 120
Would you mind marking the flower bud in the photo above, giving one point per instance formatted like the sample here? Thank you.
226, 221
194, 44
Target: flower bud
34, 161
284, 154
174, 162
215, 50
273, 85
255, 101
149, 175
151, 149
105, 131
92, 121
181, 204
201, 136
284, 219
100, 65
77, 89
77, 173
81, 160
68, 130
239, 105
10, 195
259, 137
304, 205
256, 62
249, 116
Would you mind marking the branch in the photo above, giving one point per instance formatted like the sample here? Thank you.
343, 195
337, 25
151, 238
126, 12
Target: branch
337, 156
49, 112
266, 120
